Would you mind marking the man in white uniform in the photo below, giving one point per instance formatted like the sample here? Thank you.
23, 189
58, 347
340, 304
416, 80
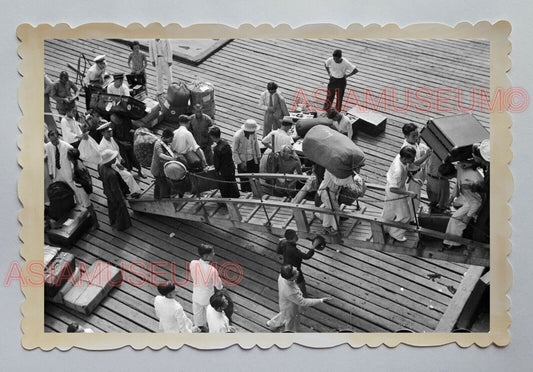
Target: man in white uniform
161, 56
397, 201
94, 78
118, 87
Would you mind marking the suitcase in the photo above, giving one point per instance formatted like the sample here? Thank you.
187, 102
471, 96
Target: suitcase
67, 286
56, 274
77, 222
203, 181
153, 109
452, 137
61, 197
437, 222
50, 253
107, 104
93, 287
367, 121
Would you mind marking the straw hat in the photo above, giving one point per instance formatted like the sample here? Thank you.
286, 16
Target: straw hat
108, 155
250, 125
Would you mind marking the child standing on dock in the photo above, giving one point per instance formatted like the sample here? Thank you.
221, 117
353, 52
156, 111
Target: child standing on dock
137, 63
204, 276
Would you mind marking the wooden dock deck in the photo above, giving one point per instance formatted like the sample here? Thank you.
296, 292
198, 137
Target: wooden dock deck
372, 291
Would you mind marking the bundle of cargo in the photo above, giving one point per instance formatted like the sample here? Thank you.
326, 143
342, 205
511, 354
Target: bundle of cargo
452, 137
333, 151
93, 287
153, 109
176, 102
143, 146
106, 104
203, 93
304, 125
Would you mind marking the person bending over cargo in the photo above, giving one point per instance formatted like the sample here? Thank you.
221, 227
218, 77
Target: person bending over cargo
396, 207
342, 123
184, 144
467, 201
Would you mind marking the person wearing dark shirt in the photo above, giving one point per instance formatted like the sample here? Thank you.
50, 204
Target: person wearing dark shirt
293, 256
224, 165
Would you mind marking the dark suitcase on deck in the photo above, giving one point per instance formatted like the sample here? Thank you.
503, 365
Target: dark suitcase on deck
61, 197
452, 137
60, 269
107, 104
437, 222
367, 121
77, 222
203, 181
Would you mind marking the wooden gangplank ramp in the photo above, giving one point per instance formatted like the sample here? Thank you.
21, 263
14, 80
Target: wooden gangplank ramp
373, 291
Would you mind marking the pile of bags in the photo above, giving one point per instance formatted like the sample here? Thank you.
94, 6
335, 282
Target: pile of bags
181, 98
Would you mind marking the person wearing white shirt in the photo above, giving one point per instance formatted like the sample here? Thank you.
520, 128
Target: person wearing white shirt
204, 277
342, 123
338, 69
217, 321
70, 129
94, 78
275, 141
184, 143
418, 167
172, 318
59, 166
396, 207
118, 87
161, 56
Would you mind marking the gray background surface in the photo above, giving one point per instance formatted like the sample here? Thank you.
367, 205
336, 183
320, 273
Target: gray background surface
516, 357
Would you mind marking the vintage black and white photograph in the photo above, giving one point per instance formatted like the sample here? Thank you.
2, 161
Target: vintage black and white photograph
268, 185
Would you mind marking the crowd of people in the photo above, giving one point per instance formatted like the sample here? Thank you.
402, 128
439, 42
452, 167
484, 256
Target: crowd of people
197, 141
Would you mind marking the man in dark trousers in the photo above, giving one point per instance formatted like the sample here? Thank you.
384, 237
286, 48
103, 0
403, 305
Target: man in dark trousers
293, 256
114, 189
224, 165
162, 153
338, 69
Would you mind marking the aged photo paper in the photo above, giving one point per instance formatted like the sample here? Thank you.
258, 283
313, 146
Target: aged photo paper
208, 204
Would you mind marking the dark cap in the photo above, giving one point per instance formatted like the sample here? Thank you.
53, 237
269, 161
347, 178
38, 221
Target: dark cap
118, 76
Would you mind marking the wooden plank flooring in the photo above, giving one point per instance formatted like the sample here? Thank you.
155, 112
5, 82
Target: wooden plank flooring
372, 291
